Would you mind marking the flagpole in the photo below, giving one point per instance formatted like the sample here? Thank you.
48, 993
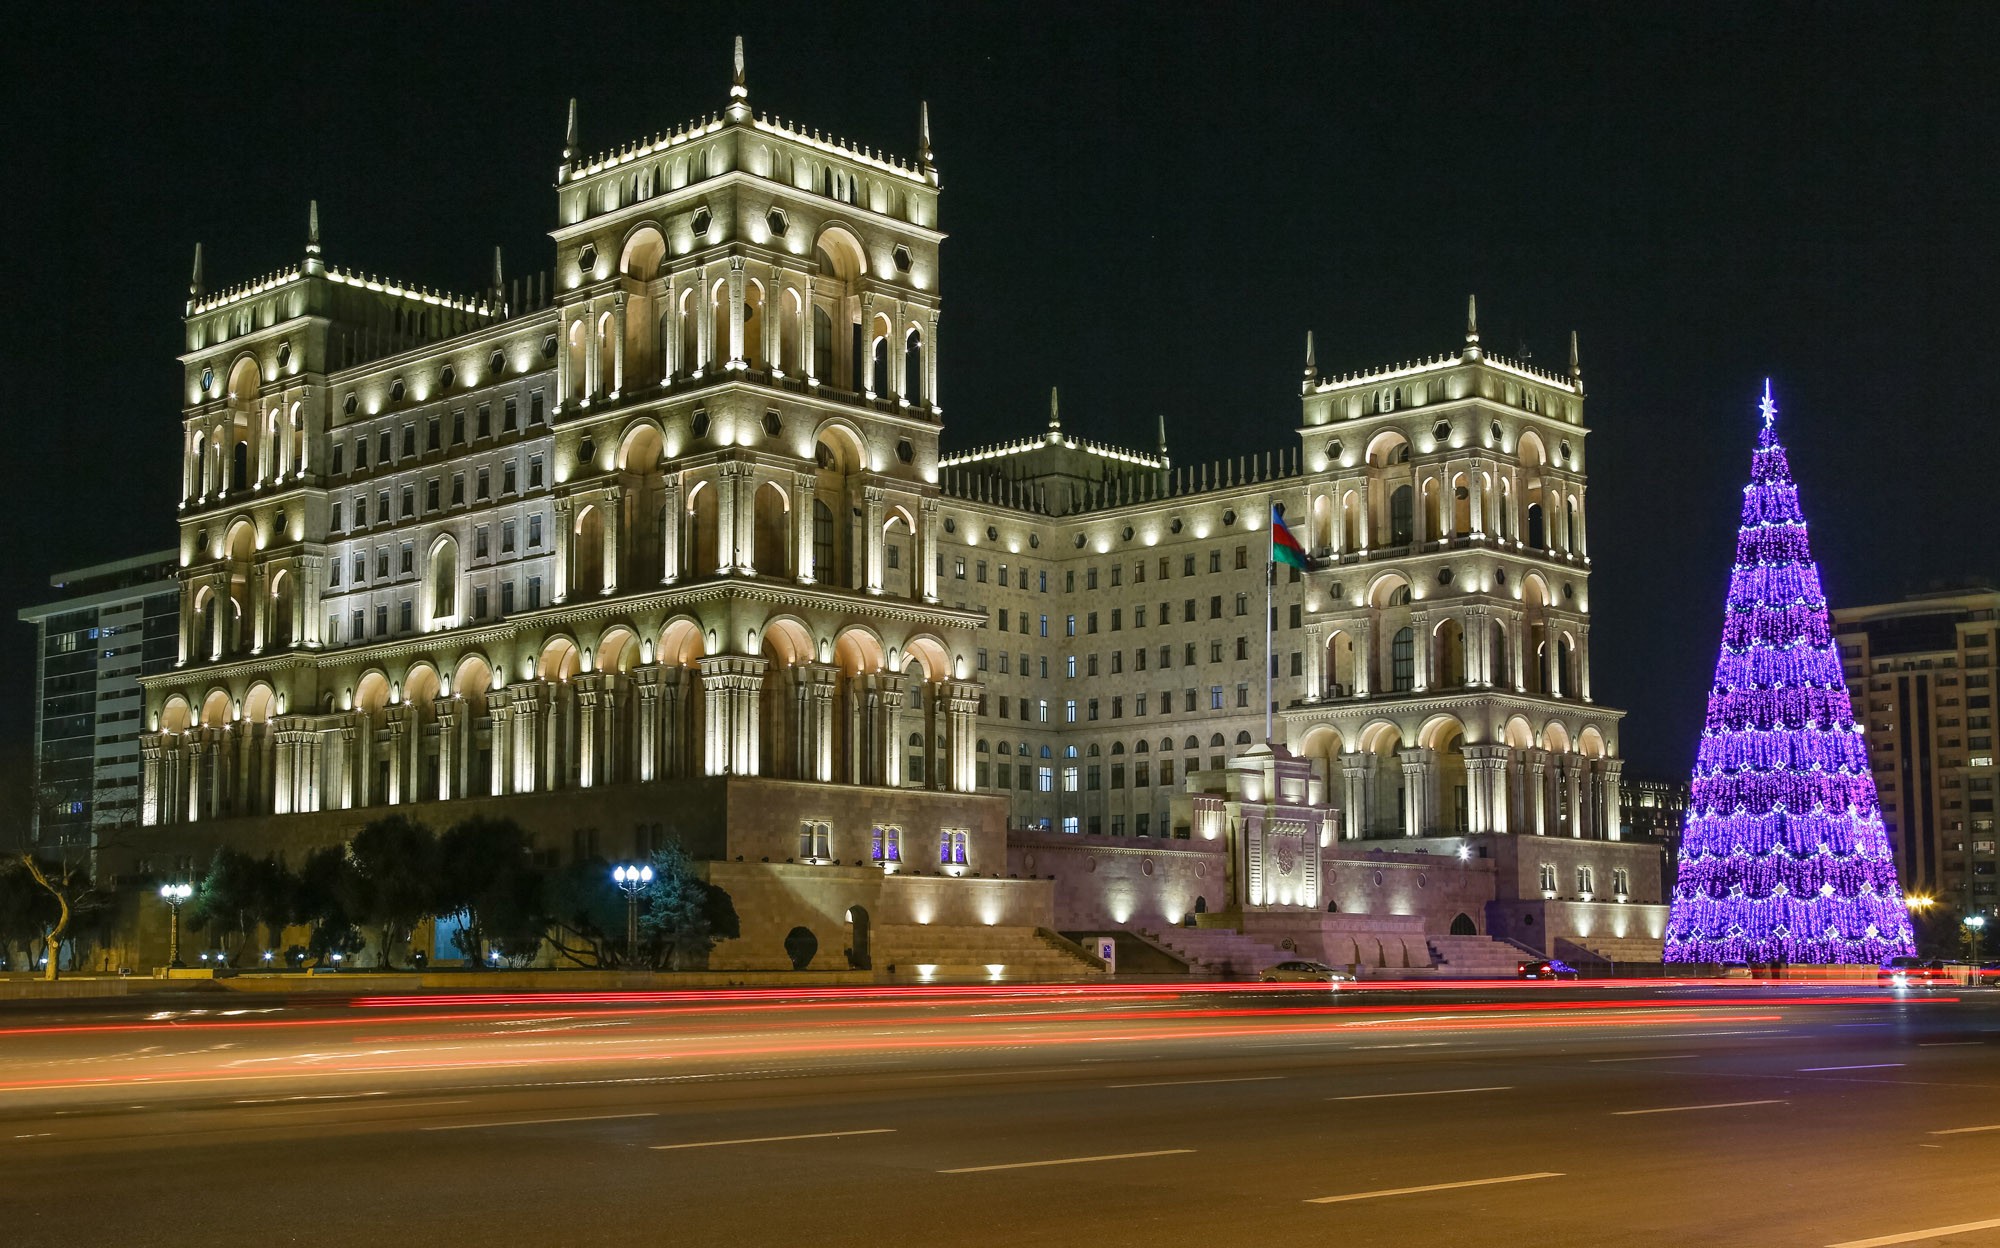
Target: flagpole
1270, 583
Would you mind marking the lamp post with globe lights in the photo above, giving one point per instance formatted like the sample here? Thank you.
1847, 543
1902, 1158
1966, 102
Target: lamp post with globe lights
1975, 927
633, 880
174, 895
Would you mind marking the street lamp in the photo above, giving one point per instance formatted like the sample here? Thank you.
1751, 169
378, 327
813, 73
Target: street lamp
1919, 903
634, 881
174, 895
1975, 924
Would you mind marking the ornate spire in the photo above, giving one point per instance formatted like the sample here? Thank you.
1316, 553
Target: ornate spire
312, 227
1312, 365
569, 134
1164, 462
1472, 351
499, 277
739, 92
1768, 407
924, 133
1055, 417
194, 282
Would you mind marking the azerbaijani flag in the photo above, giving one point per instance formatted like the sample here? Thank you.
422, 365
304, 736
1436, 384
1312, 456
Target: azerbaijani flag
1284, 547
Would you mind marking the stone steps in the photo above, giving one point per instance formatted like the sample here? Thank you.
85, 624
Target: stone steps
1475, 957
1218, 951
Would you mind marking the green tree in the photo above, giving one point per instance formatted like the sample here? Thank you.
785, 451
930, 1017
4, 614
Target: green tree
393, 879
324, 894
27, 911
225, 899
586, 914
685, 916
488, 879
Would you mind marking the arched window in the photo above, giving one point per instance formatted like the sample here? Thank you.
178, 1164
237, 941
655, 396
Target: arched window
822, 541
1535, 536
822, 361
913, 367
239, 466
1402, 661
1401, 507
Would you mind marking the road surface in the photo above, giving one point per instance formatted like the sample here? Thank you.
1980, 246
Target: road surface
1763, 1115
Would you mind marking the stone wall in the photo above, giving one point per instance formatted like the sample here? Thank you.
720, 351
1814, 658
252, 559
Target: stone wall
1103, 884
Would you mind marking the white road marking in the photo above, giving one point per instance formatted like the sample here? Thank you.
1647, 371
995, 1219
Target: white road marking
1182, 1083
536, 1122
1435, 1187
1681, 1109
1864, 1066
1946, 1044
774, 1139
1967, 1130
1067, 1161
1383, 1096
1660, 1057
1911, 1237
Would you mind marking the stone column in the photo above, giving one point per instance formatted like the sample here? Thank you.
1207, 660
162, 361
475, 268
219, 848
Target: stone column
593, 363
564, 507
259, 591
1579, 537
930, 362
807, 346
396, 721
1364, 656
1423, 642
1419, 791
1537, 762
746, 520
868, 378
449, 721
927, 550
1610, 771
725, 518
1573, 768
1315, 665
961, 705
670, 530
588, 691
805, 488
736, 280
149, 779
732, 685
562, 361
611, 504
895, 356
1486, 785
704, 325
1356, 771
618, 344
500, 706
527, 706
825, 682
1475, 483
676, 698
1582, 659
646, 688
873, 498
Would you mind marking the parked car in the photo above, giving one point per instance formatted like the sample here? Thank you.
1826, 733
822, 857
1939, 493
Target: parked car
1908, 972
1546, 968
1304, 972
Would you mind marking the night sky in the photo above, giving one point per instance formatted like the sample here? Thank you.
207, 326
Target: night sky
1148, 206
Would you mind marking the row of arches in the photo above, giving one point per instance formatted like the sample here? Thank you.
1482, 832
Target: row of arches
1397, 645
244, 443
1399, 503
1389, 780
626, 708
824, 325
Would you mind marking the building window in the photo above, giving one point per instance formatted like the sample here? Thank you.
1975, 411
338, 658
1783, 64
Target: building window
431, 495
409, 501
405, 615
506, 597
534, 592
1402, 661
510, 417
884, 845
506, 537
816, 840
1548, 879
534, 472
509, 477
534, 532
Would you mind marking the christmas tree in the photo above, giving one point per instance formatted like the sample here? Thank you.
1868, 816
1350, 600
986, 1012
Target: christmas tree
1784, 856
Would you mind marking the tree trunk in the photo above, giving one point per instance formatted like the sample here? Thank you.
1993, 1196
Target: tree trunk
54, 937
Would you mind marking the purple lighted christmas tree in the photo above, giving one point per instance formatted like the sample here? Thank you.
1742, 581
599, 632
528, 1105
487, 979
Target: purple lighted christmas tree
1784, 855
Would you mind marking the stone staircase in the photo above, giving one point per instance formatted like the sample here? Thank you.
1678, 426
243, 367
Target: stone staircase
1475, 957
937, 953
1218, 951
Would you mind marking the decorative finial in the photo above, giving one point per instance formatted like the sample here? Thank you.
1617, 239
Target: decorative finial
924, 127
1575, 360
1768, 406
1312, 364
499, 282
194, 283
739, 94
1055, 417
569, 135
1164, 461
312, 227
1472, 351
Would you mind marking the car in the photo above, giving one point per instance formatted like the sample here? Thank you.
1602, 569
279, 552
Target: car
1300, 971
1906, 972
1546, 968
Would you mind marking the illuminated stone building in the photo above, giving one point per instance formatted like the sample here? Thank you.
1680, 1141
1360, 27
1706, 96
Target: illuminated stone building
672, 527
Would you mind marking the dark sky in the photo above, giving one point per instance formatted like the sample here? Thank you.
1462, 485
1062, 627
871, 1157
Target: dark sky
1148, 205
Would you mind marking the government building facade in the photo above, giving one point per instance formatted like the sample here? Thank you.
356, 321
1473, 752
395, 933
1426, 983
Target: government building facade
665, 544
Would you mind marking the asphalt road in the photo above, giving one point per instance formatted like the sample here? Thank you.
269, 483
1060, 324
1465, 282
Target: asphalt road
1739, 1114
